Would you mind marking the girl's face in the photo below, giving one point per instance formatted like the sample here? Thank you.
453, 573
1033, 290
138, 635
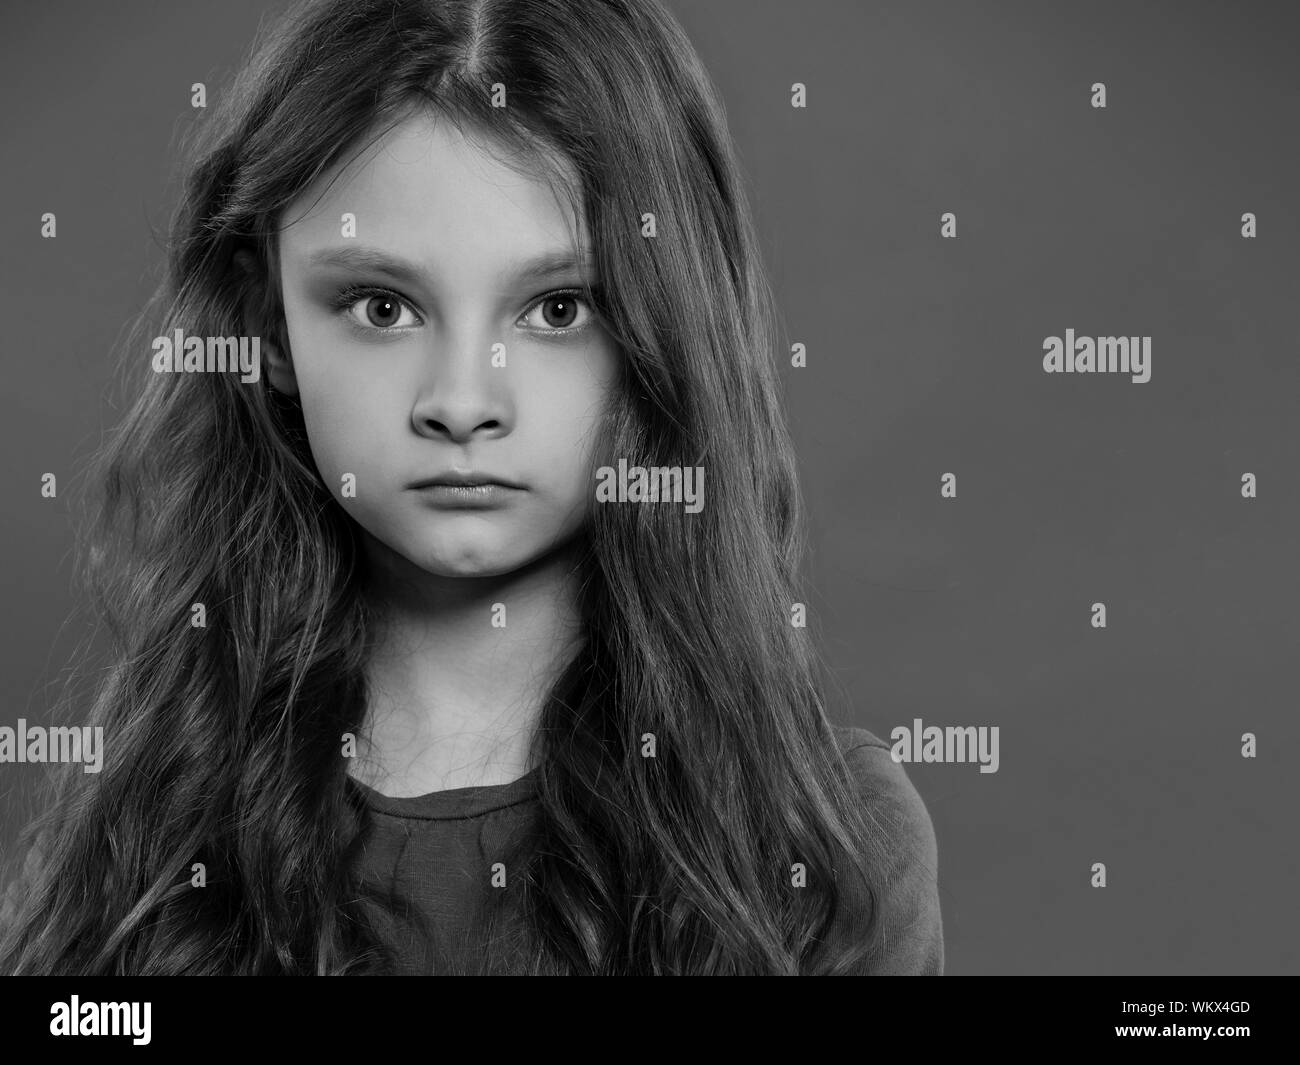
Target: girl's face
431, 338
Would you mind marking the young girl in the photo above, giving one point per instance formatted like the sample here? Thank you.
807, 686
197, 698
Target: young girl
396, 688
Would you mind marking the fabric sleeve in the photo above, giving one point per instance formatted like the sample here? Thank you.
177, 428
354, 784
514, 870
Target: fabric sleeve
907, 863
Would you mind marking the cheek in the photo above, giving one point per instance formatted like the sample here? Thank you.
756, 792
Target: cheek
569, 407
579, 391
328, 435
577, 451
341, 407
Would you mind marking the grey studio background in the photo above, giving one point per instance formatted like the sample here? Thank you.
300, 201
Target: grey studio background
1119, 745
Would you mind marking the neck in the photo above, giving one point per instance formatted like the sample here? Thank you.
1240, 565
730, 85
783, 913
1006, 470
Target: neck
456, 683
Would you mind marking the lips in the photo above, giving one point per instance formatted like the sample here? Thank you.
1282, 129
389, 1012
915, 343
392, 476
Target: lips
465, 479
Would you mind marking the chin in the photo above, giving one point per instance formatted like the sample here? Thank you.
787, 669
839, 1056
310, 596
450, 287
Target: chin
467, 568
469, 560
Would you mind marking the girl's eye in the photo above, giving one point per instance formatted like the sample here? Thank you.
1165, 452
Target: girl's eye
559, 311
381, 311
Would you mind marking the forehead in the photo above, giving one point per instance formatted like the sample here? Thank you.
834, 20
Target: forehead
430, 191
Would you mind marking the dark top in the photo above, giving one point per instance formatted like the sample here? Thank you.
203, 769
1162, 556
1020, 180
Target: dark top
433, 855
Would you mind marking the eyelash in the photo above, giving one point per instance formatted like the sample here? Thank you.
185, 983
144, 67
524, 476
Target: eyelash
348, 297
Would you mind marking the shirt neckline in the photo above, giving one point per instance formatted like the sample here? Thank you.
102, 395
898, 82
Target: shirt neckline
451, 804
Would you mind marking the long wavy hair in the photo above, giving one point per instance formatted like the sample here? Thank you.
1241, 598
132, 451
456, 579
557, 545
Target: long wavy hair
223, 740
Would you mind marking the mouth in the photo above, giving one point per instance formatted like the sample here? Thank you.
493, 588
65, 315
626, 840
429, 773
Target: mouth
465, 479
466, 490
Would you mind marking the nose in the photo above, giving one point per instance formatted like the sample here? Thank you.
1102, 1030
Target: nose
463, 396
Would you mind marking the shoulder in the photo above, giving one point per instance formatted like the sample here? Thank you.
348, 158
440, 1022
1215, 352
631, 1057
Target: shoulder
904, 855
886, 784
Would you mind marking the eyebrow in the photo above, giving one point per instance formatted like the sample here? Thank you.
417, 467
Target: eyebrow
363, 258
